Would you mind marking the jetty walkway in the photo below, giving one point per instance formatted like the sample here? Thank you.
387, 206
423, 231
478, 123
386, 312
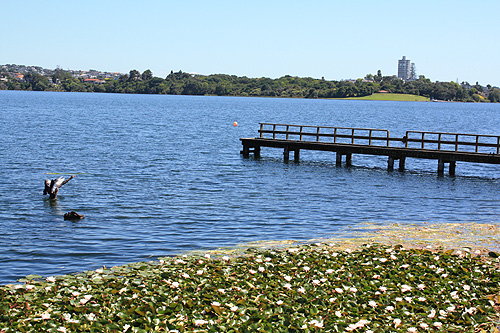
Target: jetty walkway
446, 148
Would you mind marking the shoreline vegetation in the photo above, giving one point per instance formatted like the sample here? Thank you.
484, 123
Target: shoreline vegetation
180, 83
444, 279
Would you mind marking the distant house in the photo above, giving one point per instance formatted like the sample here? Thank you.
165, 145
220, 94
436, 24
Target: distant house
382, 92
94, 81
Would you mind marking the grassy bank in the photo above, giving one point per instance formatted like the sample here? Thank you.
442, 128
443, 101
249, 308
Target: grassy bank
392, 97
316, 287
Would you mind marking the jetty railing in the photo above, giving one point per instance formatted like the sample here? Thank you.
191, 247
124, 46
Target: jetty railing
327, 134
440, 141
446, 148
458, 142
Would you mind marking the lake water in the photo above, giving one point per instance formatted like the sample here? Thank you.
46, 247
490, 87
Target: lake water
159, 175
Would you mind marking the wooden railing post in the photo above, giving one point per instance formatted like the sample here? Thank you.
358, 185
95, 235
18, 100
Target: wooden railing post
370, 138
335, 135
352, 136
301, 127
498, 145
287, 130
317, 134
439, 141
261, 129
423, 140
456, 142
274, 131
477, 141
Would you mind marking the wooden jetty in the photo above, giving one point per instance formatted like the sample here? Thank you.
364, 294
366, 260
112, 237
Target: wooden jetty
446, 148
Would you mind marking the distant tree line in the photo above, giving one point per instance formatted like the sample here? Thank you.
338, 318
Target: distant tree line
180, 83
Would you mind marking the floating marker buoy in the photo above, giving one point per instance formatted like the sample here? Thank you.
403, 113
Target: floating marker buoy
235, 124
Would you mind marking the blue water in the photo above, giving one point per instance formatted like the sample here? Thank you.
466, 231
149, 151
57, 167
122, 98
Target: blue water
159, 175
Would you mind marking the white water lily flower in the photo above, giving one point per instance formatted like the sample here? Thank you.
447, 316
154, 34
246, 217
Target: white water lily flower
316, 282
215, 303
373, 304
405, 288
466, 287
200, 322
51, 279
207, 255
424, 325
287, 285
316, 323
251, 271
412, 329
339, 290
421, 286
338, 313
396, 322
301, 290
261, 269
174, 285
307, 268
185, 275
472, 310
432, 314
62, 329
225, 258
376, 276
45, 315
234, 308
199, 272
288, 278
438, 324
279, 302
382, 289
389, 308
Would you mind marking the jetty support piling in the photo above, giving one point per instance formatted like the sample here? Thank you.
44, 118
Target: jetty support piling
339, 159
442, 147
296, 155
440, 167
453, 166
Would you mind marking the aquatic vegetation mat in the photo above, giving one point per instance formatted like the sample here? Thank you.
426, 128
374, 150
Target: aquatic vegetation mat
316, 287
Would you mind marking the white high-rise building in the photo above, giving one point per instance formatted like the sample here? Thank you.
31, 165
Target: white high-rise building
405, 69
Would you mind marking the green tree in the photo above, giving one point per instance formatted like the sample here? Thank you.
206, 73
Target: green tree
147, 75
494, 95
134, 75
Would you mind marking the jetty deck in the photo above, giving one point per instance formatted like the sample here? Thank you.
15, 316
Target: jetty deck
446, 148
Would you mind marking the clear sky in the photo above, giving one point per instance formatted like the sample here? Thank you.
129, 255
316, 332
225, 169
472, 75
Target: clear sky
447, 40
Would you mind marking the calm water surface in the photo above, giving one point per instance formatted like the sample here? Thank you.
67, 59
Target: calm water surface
158, 175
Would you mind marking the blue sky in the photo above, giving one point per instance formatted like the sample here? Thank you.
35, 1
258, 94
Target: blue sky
447, 40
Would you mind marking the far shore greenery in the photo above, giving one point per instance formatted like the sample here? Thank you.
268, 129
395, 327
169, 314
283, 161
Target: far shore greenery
327, 286
181, 83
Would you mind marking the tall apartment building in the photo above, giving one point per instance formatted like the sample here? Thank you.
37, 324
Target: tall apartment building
406, 69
